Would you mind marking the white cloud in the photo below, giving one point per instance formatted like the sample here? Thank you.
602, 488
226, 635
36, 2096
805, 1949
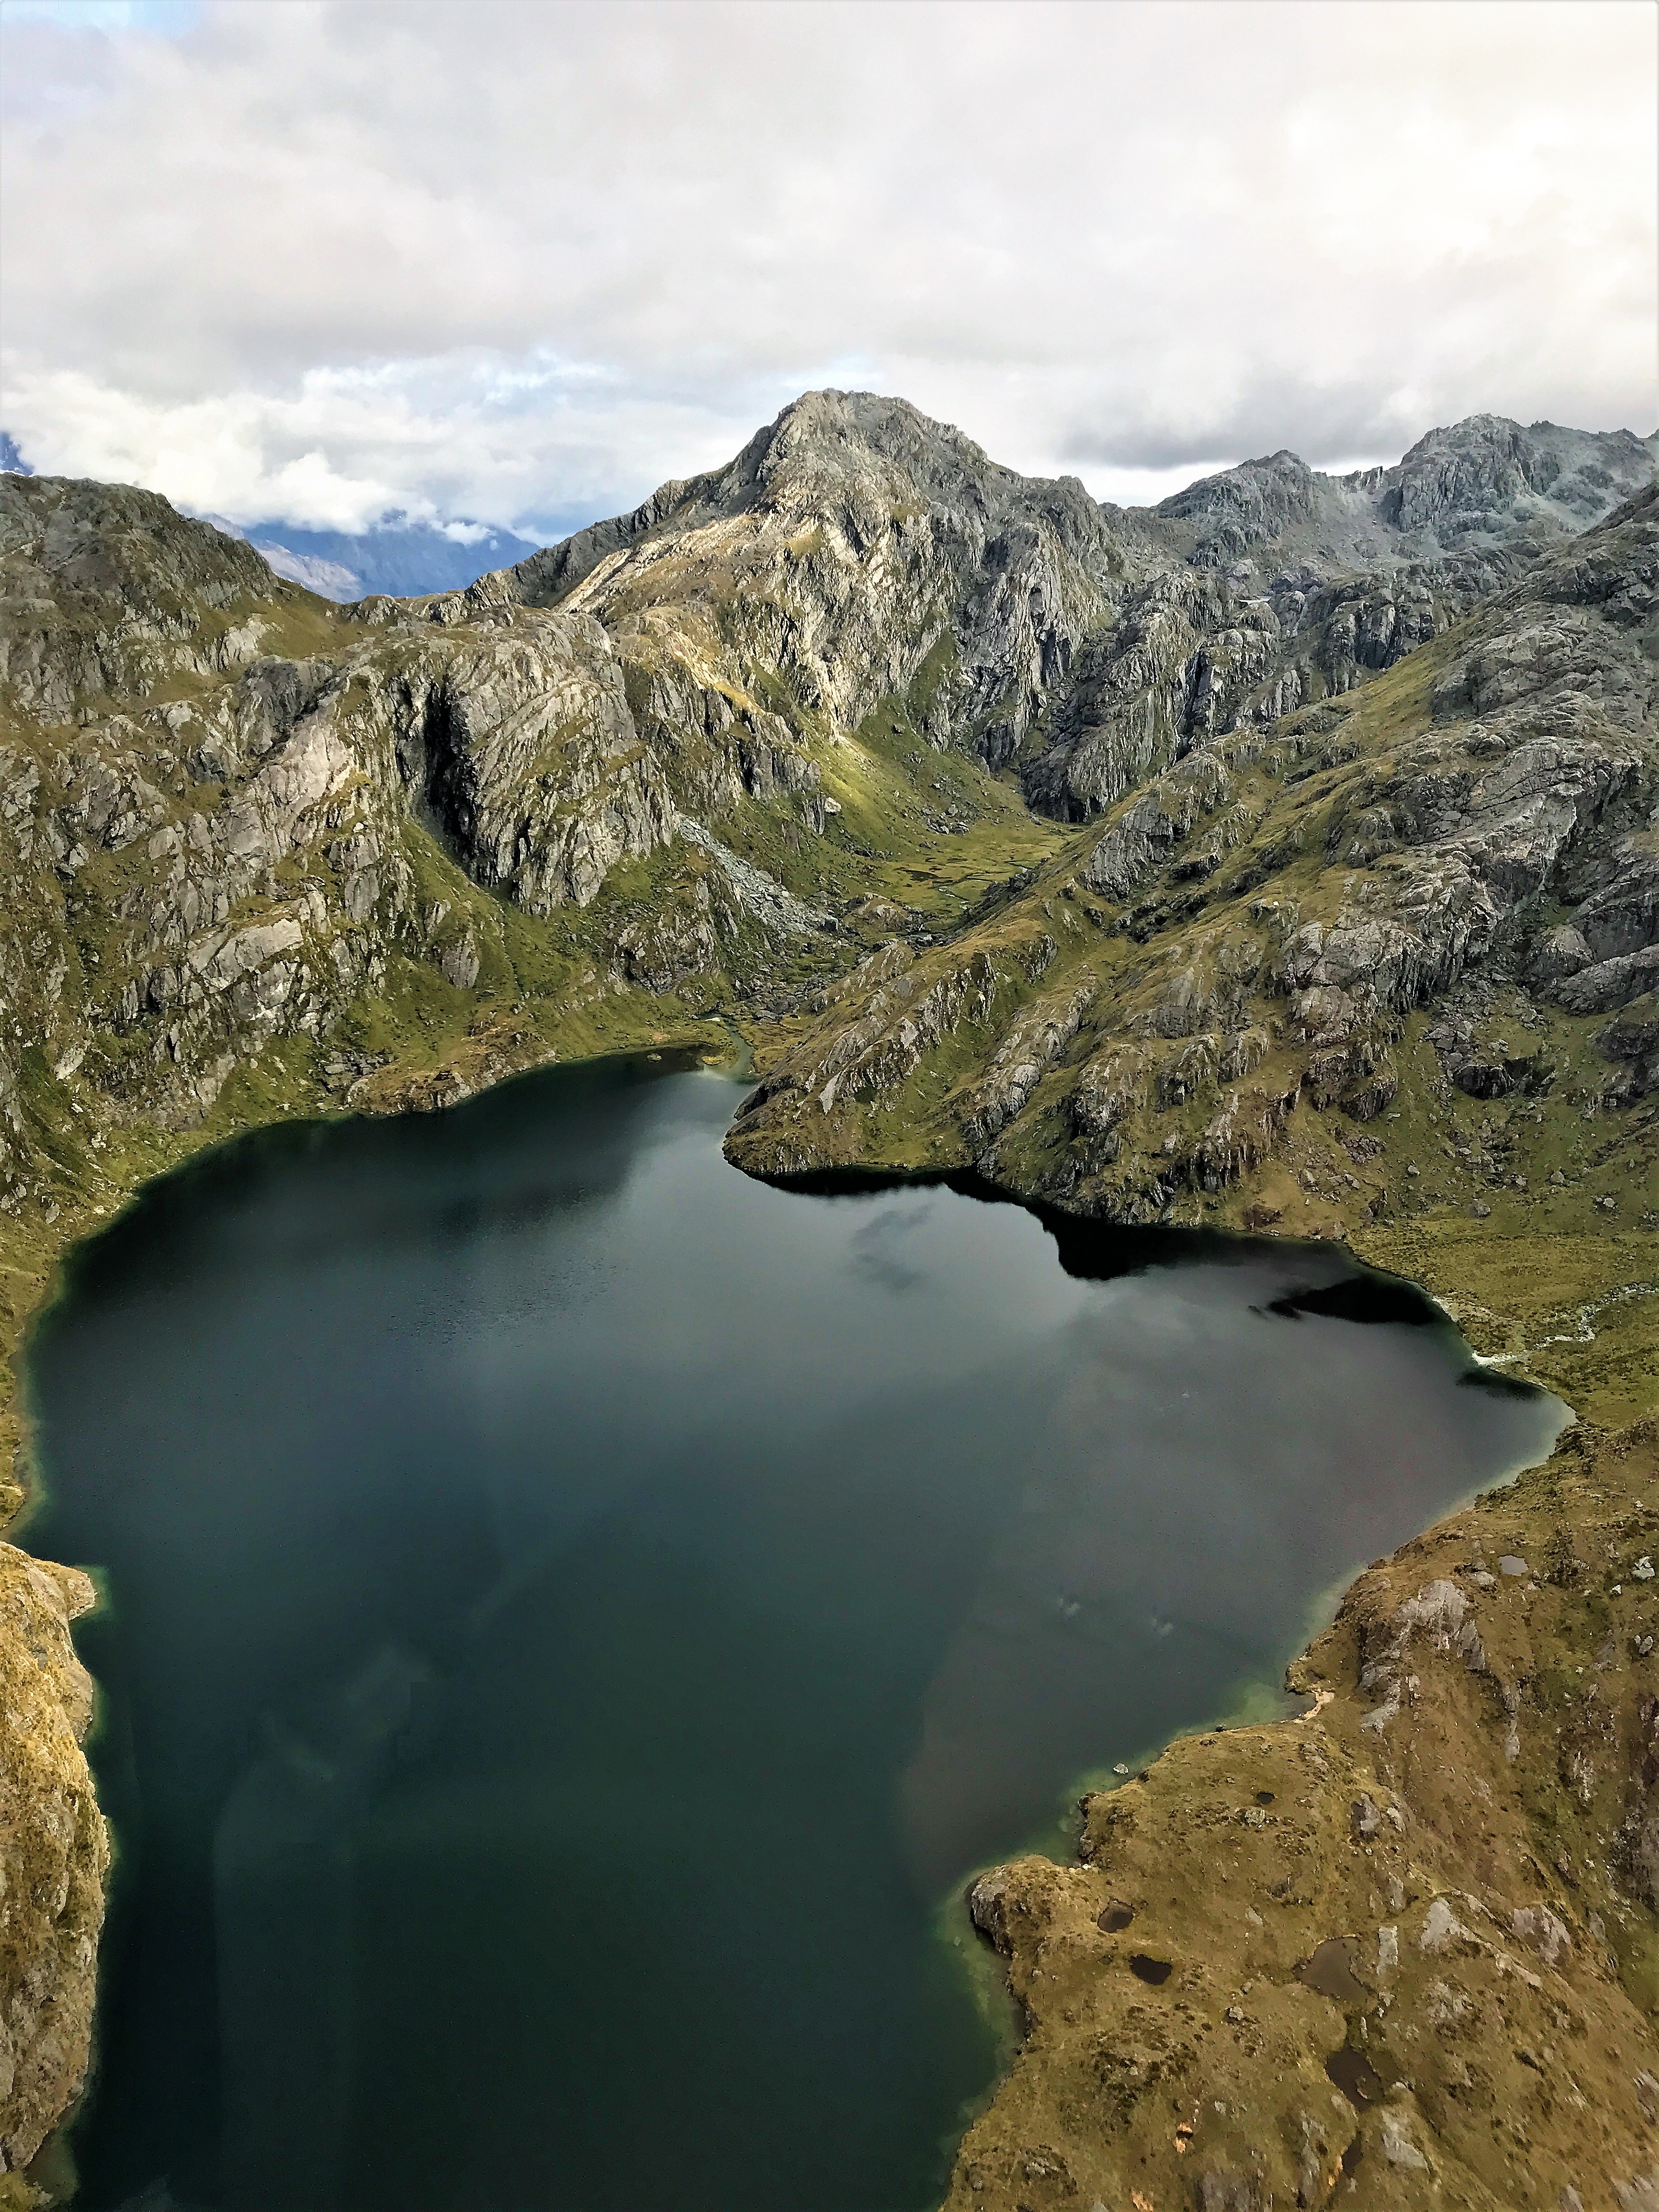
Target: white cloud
523, 261
528, 441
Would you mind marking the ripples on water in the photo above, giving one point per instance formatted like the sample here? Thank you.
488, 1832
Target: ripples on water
575, 1613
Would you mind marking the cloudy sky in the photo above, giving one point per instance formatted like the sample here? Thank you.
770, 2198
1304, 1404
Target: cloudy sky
522, 262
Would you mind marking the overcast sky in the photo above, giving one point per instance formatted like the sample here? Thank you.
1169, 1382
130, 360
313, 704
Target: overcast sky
522, 262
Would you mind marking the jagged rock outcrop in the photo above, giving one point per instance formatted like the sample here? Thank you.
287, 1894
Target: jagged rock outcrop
1292, 586
109, 591
1483, 479
854, 550
1486, 476
225, 813
1315, 887
1038, 1037
525, 751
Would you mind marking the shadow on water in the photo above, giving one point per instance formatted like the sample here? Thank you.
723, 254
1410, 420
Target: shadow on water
573, 1611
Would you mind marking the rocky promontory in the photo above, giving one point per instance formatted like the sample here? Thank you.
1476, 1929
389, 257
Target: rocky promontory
1398, 1952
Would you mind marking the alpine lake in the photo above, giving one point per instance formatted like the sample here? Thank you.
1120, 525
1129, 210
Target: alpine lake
575, 1619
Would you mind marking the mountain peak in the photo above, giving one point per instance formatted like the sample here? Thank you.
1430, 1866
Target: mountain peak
859, 460
1486, 474
831, 422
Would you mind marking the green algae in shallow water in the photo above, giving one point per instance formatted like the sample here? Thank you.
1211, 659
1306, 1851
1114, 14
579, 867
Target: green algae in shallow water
576, 1611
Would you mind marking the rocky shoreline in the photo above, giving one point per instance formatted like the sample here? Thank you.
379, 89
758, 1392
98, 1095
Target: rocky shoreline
1451, 1687
1398, 1952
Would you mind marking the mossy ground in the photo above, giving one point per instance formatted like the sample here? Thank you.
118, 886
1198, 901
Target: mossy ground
926, 829
1506, 2059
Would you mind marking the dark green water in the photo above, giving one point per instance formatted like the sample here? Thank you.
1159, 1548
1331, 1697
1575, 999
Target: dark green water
575, 1613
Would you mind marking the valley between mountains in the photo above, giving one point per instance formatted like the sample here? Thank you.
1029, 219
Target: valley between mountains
1282, 859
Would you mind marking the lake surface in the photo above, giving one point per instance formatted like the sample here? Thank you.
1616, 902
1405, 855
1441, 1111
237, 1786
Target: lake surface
575, 1616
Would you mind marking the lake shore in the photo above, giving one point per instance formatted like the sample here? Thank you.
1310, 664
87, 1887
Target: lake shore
1509, 1281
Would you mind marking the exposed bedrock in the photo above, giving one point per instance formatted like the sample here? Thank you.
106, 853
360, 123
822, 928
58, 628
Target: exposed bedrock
1474, 851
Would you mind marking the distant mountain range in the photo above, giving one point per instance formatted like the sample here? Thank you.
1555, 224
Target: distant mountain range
403, 558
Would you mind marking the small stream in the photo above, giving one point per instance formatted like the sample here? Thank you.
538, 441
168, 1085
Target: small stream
575, 1616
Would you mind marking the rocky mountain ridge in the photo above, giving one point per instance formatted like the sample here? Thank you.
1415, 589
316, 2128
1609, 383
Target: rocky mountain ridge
1284, 857
1486, 479
1091, 645
708, 658
1326, 880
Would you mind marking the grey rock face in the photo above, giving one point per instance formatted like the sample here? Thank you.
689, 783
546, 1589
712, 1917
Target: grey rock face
1037, 1039
1258, 503
524, 747
1446, 859
1487, 475
1273, 585
108, 589
243, 829
1144, 835
855, 550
